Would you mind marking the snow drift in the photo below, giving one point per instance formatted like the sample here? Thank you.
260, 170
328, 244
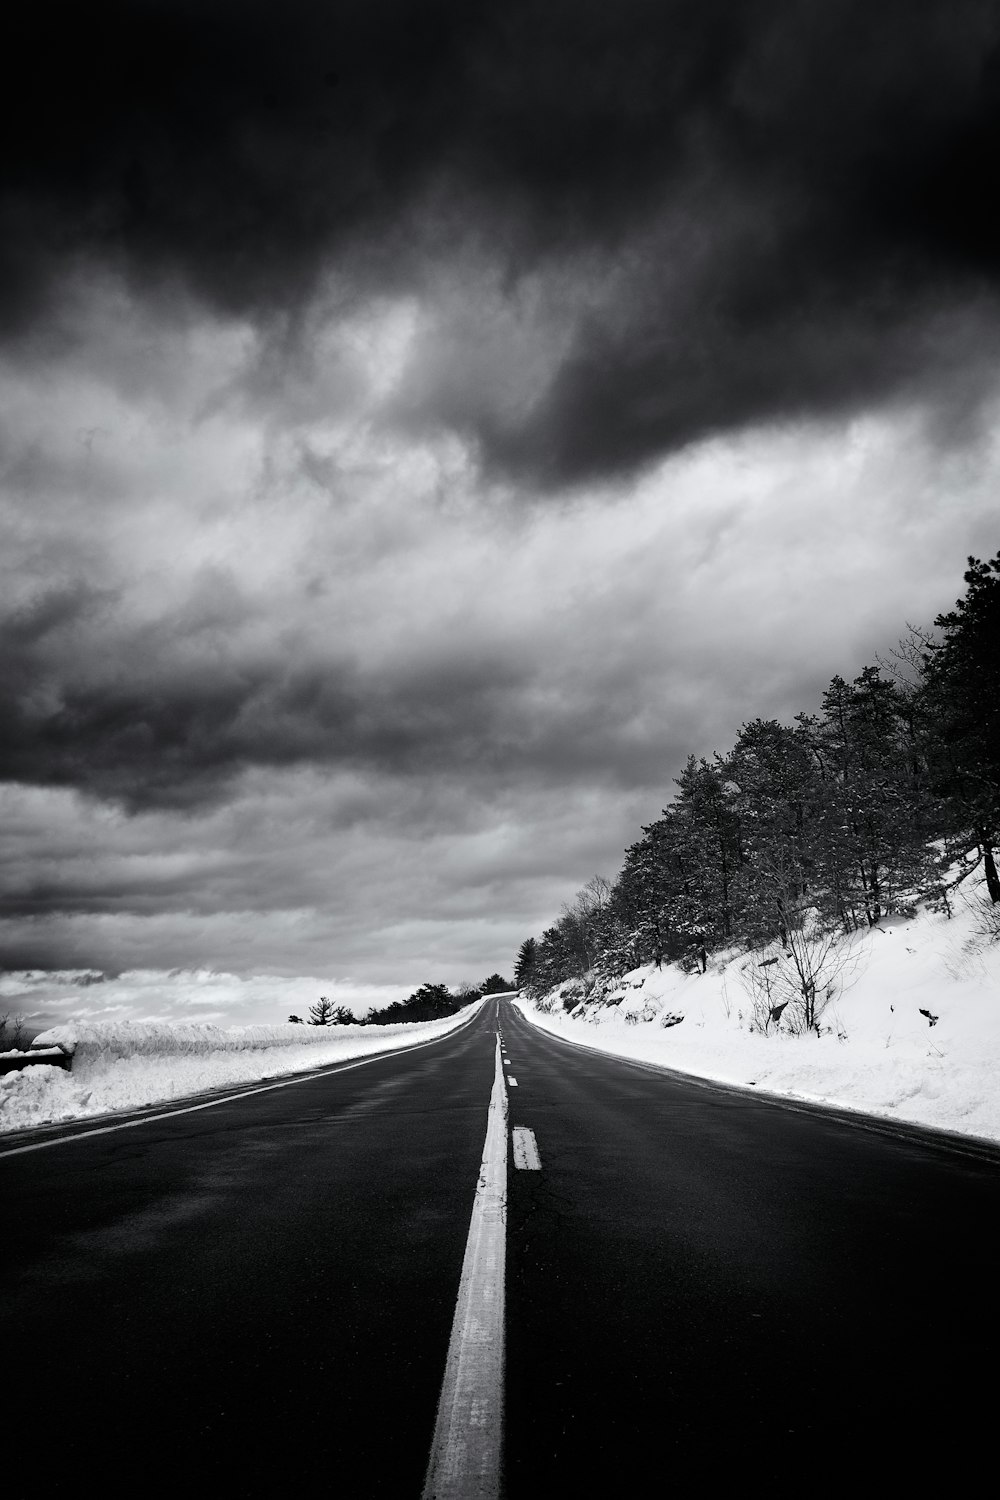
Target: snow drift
127, 1065
109, 1041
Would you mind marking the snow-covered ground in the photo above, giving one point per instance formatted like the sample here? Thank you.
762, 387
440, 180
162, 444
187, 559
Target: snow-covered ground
877, 1050
125, 1065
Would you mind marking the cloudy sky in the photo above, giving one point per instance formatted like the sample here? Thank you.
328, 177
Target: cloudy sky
424, 424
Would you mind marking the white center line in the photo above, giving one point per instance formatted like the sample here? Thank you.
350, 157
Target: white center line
512, 1080
525, 1146
466, 1449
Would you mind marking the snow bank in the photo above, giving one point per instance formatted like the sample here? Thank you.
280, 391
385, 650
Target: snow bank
107, 1041
126, 1065
914, 1034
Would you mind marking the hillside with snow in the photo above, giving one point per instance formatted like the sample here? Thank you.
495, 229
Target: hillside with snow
910, 1030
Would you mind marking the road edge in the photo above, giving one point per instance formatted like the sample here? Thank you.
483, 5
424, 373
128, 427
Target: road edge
980, 1148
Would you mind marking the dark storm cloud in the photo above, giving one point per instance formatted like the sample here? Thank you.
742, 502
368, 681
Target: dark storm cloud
175, 732
767, 208
178, 742
153, 716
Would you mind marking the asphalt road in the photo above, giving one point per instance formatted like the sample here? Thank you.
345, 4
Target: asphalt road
704, 1289
248, 1300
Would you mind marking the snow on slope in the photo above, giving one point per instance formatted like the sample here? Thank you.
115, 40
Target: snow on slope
876, 1051
126, 1065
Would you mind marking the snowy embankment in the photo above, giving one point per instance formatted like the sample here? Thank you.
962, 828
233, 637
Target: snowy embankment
126, 1065
912, 1031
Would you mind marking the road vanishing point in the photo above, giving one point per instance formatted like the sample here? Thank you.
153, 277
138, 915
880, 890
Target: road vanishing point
496, 1265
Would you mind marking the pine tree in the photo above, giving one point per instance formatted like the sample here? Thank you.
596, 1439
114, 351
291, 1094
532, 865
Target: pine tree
428, 1003
644, 900
495, 985
525, 964
874, 831
961, 695
776, 796
705, 839
555, 959
321, 1014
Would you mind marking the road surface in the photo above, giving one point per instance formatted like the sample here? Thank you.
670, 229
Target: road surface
703, 1288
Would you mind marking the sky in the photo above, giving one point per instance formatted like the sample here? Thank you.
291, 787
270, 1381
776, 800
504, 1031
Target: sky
424, 425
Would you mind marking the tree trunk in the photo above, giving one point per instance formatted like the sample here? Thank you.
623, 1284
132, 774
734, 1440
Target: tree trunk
992, 878
782, 924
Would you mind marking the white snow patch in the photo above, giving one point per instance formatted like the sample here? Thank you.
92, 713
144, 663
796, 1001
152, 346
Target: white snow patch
876, 1052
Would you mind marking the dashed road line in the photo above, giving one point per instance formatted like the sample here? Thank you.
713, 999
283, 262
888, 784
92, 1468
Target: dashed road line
512, 1081
526, 1156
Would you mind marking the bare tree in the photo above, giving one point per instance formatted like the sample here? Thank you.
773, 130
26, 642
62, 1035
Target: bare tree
793, 981
12, 1033
582, 919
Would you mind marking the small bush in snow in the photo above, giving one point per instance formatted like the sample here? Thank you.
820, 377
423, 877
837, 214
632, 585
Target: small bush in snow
791, 983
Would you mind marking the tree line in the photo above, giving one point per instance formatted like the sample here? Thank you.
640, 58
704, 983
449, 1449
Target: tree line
810, 831
428, 1003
